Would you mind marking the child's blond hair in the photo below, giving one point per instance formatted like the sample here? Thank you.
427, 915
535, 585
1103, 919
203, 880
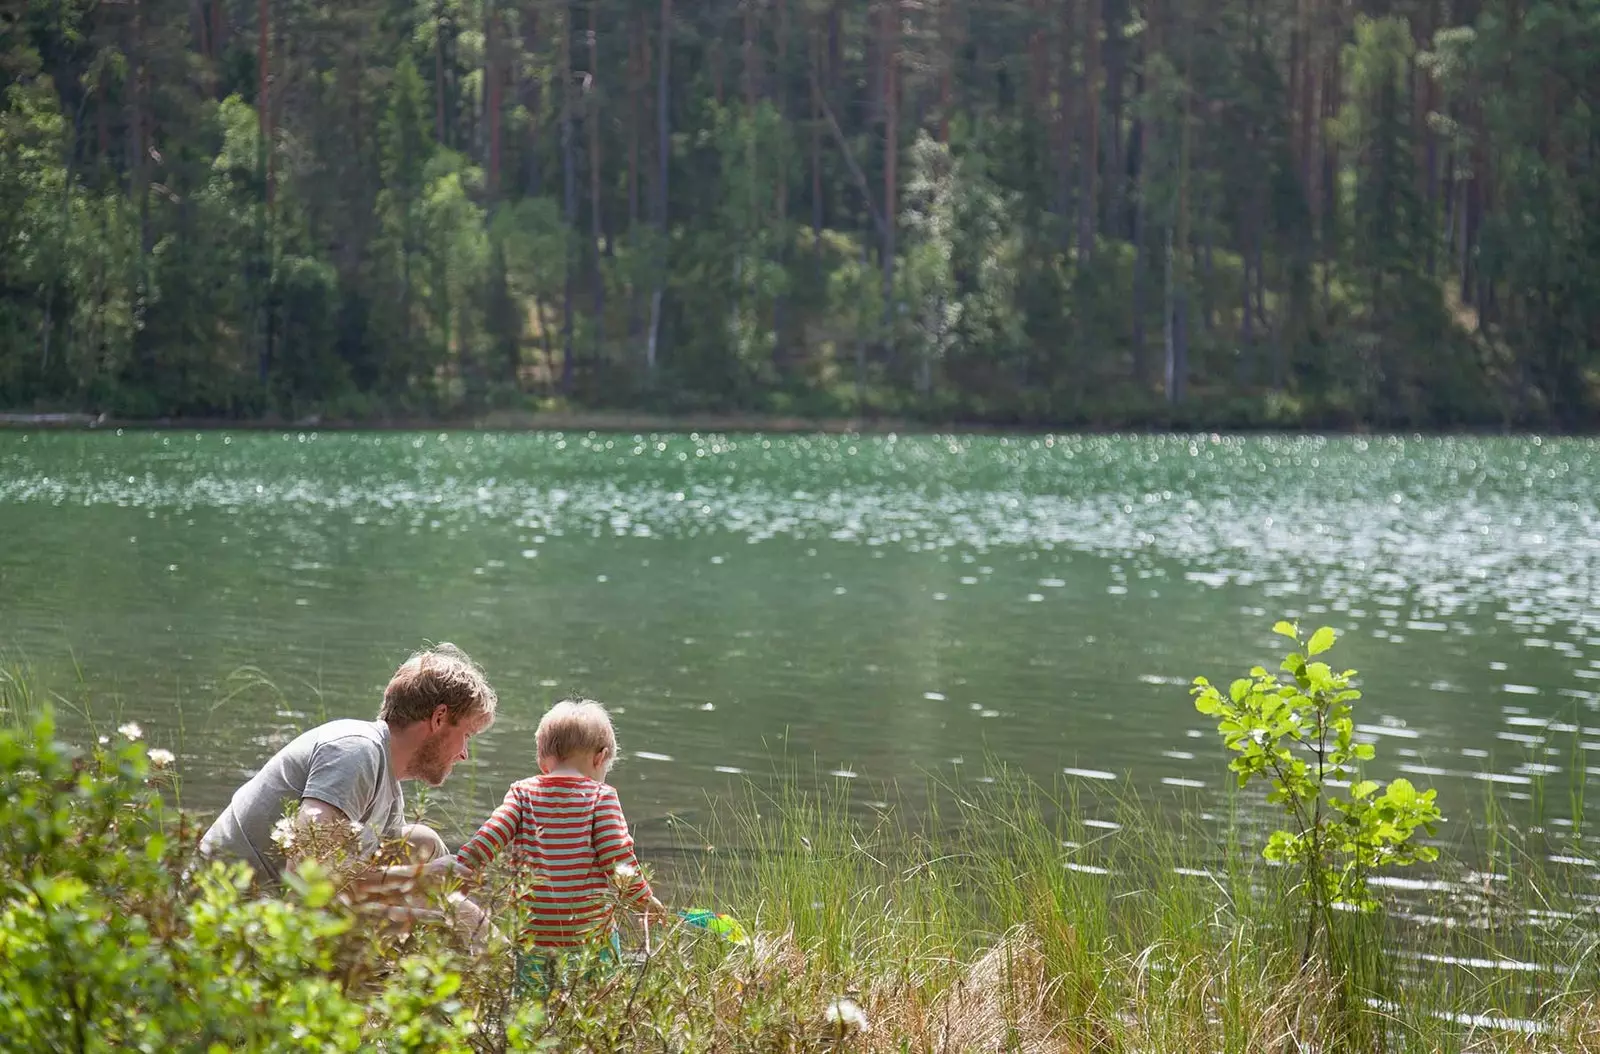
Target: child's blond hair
573, 727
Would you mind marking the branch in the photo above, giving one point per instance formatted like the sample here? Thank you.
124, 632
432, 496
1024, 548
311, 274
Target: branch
850, 159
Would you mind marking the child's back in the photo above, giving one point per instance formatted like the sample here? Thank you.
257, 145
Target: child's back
567, 838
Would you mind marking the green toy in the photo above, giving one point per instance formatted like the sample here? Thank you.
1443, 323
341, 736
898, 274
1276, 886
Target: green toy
725, 926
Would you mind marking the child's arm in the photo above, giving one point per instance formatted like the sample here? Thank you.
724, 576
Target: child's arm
495, 834
613, 847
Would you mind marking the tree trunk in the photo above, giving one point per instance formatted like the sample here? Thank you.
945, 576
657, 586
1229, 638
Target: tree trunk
891, 161
1169, 337
438, 71
597, 236
781, 77
1329, 233
263, 90
749, 61
781, 190
1139, 266
1141, 210
1040, 75
1472, 217
1309, 173
947, 64
1430, 159
816, 145
263, 289
492, 74
1244, 332
662, 158
1177, 314
637, 57
1115, 54
635, 77
1296, 61
569, 196
533, 99
1208, 307
1065, 127
1089, 162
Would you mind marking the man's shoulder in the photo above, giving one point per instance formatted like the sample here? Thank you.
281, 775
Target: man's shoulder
346, 728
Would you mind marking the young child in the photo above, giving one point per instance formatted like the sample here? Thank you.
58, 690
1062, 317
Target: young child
569, 841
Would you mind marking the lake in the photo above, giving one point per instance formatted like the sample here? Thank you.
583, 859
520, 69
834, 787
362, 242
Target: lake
882, 608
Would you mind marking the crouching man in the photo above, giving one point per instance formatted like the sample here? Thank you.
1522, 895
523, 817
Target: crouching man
345, 775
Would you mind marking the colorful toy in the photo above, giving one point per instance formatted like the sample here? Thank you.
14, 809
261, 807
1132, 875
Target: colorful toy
725, 926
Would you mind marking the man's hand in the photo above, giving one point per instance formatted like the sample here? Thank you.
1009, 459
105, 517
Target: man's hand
402, 878
318, 829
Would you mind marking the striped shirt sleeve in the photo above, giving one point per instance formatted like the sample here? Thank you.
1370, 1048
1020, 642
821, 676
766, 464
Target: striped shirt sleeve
613, 846
496, 833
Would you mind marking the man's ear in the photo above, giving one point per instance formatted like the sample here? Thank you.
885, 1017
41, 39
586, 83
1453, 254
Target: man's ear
441, 716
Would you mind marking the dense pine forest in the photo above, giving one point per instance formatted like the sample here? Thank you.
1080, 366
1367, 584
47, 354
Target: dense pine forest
1049, 212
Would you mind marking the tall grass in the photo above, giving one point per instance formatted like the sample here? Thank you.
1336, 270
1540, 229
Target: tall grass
20, 700
1072, 918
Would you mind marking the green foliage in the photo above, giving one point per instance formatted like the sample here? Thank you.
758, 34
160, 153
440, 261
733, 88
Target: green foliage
106, 943
1026, 920
1415, 248
71, 251
1298, 736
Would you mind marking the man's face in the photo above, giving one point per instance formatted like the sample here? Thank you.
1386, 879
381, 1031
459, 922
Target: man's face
447, 745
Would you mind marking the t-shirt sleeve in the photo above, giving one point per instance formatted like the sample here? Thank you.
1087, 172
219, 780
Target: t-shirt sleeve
344, 773
613, 846
495, 834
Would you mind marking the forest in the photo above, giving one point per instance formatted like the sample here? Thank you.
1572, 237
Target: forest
1065, 213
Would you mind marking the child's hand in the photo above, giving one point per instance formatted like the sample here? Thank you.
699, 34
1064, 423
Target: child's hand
654, 908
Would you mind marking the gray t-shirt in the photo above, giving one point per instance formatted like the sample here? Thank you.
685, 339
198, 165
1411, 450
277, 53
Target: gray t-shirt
344, 763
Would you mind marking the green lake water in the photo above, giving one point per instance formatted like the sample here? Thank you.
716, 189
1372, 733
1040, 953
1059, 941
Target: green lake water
877, 607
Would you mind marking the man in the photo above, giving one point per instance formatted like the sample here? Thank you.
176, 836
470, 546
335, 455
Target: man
346, 774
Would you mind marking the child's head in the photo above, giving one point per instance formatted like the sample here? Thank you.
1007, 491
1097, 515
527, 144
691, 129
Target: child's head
578, 732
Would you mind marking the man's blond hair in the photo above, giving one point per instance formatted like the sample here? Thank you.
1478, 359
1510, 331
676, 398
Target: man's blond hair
574, 727
442, 674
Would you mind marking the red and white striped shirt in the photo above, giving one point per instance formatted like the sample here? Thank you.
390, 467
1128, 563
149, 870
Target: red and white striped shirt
567, 836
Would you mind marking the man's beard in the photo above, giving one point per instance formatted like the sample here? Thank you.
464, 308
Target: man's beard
430, 765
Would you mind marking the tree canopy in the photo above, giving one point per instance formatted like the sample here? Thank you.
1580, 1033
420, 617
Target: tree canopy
1059, 212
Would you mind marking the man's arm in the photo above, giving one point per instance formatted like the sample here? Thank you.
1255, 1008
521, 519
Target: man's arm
329, 823
318, 824
338, 793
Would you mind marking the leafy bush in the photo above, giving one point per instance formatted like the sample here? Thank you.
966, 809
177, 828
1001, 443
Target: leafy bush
1299, 736
108, 943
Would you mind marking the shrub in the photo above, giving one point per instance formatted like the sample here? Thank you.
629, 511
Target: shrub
108, 942
1299, 737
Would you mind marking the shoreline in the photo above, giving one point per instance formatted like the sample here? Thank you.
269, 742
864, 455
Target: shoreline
747, 423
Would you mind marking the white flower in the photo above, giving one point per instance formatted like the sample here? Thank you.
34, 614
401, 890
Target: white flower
161, 758
283, 833
356, 828
131, 730
104, 740
627, 872
846, 1015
